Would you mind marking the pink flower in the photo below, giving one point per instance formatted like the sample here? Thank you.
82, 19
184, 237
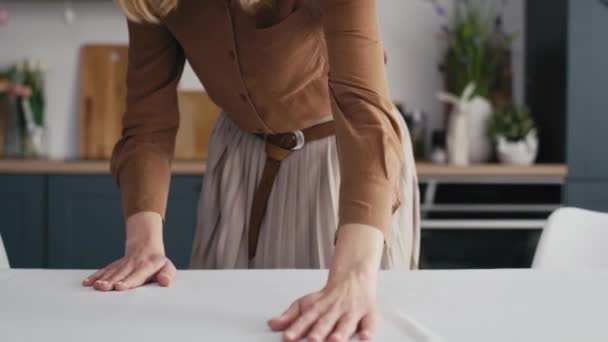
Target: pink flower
22, 91
3, 16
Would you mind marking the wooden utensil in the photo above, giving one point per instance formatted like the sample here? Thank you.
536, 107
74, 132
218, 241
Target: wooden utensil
103, 70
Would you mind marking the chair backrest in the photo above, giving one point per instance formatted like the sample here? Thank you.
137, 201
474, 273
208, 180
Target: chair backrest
573, 239
3, 257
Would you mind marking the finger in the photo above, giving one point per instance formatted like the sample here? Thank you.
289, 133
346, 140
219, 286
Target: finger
345, 328
166, 274
283, 321
369, 326
324, 325
103, 283
93, 277
298, 329
120, 274
137, 277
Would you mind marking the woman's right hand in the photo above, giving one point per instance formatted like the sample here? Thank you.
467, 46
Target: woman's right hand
144, 259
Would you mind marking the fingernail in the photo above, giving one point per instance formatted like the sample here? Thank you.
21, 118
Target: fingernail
120, 283
102, 282
290, 335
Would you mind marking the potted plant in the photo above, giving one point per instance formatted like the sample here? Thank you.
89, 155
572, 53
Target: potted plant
478, 52
24, 91
515, 134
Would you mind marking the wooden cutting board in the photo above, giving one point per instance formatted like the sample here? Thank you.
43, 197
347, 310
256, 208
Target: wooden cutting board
197, 118
103, 70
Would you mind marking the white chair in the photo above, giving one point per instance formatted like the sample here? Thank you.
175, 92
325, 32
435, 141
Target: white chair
573, 239
3, 258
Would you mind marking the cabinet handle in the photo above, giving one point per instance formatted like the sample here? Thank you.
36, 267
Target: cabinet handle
604, 2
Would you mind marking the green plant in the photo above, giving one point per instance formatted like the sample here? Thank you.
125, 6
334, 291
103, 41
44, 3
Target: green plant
476, 46
512, 122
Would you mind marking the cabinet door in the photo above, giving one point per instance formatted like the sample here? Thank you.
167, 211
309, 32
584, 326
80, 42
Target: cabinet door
86, 225
181, 218
592, 195
86, 228
587, 96
23, 226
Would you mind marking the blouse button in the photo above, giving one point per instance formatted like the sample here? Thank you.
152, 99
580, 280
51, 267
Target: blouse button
244, 97
232, 54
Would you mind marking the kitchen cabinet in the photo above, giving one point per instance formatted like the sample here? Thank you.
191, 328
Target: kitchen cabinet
70, 213
23, 212
75, 220
587, 100
181, 218
587, 180
588, 194
86, 226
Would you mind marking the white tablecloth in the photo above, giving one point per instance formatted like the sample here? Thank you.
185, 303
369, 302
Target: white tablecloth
467, 306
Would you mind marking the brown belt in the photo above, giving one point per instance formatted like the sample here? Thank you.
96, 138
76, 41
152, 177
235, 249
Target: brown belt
278, 147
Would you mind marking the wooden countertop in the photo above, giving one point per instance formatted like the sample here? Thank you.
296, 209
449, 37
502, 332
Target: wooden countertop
10, 166
498, 170
425, 170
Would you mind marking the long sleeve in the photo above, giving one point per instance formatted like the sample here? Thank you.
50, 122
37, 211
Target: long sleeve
368, 135
141, 160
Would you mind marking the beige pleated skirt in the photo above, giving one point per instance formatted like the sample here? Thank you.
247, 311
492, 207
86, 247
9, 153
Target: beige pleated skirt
302, 214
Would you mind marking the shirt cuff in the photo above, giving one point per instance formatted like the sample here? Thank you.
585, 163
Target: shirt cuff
371, 203
144, 184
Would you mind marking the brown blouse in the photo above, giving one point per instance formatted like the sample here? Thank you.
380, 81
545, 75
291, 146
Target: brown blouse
280, 71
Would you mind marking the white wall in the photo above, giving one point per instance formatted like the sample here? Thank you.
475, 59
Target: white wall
37, 29
410, 30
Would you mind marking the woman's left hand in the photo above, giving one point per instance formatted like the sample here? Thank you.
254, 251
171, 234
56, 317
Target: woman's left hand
347, 304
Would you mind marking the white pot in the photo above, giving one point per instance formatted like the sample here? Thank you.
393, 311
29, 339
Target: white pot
521, 152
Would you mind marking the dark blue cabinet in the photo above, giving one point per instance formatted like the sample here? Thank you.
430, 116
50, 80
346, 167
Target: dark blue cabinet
181, 218
587, 105
86, 225
86, 228
592, 195
23, 212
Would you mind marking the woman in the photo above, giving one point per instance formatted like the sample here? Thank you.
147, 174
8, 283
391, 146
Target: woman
308, 143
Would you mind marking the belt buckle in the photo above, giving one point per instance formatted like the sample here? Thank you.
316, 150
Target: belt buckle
300, 140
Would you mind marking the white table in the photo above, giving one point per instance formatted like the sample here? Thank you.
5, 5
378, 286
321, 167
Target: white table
468, 306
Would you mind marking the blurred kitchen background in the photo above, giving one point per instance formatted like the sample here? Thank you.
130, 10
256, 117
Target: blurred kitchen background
505, 99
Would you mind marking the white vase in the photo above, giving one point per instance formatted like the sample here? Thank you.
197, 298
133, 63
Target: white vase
522, 152
467, 133
479, 113
458, 139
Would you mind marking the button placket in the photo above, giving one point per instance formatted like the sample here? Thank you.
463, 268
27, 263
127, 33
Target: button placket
232, 53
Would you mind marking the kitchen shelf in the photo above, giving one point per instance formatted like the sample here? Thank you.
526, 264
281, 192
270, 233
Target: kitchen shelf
493, 173
426, 171
14, 166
